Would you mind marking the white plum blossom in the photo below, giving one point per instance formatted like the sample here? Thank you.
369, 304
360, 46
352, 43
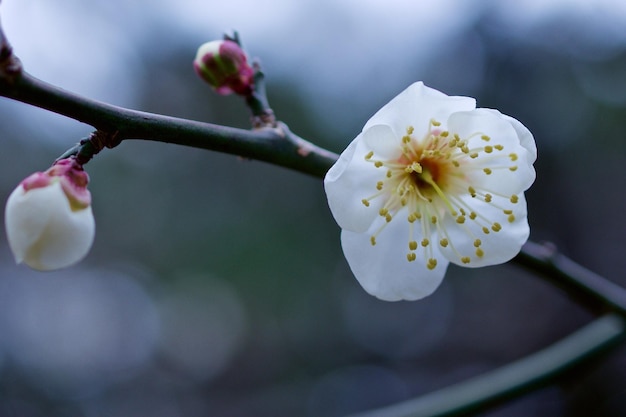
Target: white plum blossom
430, 180
48, 217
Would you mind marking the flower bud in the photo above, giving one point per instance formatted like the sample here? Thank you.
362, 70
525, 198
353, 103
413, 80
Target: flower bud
224, 65
48, 217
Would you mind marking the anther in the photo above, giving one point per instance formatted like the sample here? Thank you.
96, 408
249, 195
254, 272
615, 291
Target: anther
409, 130
514, 199
379, 185
369, 155
498, 147
513, 156
460, 219
456, 163
513, 168
443, 242
511, 218
411, 256
472, 191
485, 230
473, 155
433, 219
477, 243
434, 122
432, 263
480, 252
365, 202
378, 164
473, 215
496, 227
465, 259
388, 218
373, 240
414, 167
487, 171
485, 138
412, 245
425, 242
488, 149
488, 198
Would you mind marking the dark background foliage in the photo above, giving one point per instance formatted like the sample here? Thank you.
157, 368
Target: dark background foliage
216, 286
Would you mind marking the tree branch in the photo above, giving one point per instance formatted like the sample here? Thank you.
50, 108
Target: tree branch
586, 287
513, 379
278, 146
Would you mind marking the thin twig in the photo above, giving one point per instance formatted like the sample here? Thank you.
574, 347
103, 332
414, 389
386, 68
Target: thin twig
278, 145
512, 379
585, 286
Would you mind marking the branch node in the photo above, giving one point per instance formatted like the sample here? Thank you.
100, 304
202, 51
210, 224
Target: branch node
10, 65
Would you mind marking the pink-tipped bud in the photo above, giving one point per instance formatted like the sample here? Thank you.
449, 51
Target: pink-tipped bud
48, 217
224, 65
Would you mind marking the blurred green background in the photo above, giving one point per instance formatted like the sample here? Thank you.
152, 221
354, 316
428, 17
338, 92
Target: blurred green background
217, 287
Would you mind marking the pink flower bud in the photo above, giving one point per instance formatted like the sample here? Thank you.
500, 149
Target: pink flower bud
48, 217
224, 65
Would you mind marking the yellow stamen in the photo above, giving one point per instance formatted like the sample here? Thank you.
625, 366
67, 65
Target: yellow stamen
432, 263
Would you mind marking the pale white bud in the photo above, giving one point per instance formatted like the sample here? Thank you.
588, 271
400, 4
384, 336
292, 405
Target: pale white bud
48, 218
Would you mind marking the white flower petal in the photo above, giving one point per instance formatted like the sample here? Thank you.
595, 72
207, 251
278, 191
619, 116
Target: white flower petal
480, 122
44, 232
496, 246
349, 181
383, 141
416, 106
526, 138
384, 271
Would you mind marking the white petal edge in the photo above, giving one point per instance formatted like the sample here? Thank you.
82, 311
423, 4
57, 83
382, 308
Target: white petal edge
500, 129
350, 180
498, 247
383, 270
383, 141
416, 106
